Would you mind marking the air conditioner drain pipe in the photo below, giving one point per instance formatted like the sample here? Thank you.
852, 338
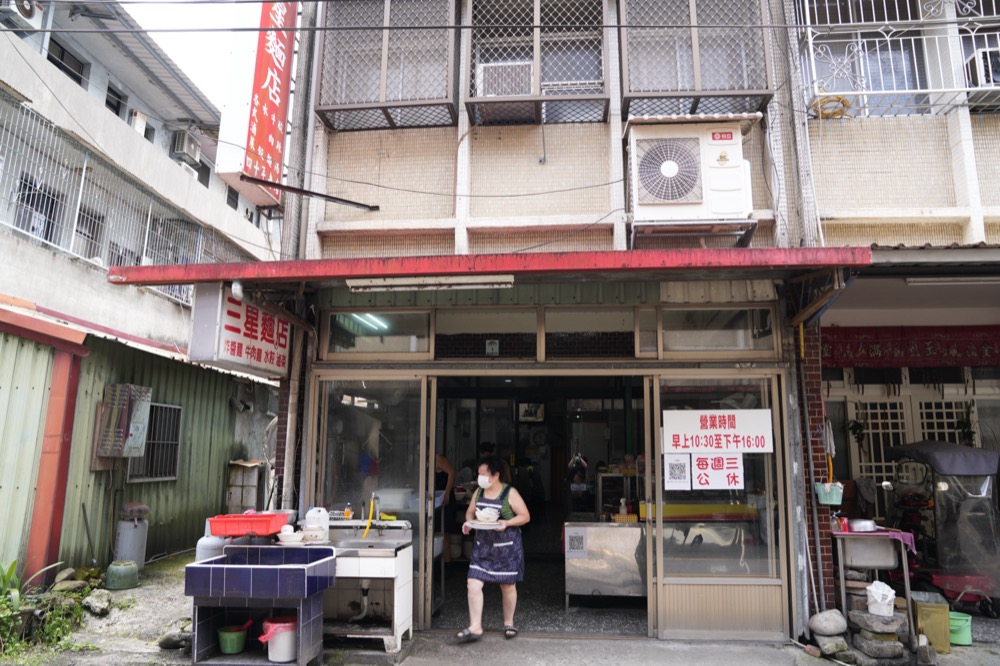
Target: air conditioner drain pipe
364, 602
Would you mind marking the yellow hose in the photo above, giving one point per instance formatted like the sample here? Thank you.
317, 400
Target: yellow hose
371, 510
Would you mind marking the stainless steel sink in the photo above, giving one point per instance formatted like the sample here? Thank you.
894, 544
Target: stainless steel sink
370, 547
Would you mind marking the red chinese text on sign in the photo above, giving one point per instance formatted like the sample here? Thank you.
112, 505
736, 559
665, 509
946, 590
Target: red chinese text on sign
269, 97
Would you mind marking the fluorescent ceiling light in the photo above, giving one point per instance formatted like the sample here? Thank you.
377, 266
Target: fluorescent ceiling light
431, 283
365, 321
964, 280
378, 322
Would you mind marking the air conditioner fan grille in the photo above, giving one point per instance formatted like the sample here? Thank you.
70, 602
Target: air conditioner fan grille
669, 170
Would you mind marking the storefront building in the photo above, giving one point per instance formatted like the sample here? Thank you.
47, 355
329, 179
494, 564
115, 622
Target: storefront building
681, 394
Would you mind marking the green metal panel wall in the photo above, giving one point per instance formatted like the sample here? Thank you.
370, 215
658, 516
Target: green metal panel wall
178, 508
25, 373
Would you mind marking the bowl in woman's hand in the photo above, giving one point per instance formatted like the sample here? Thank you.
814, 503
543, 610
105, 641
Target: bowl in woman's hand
487, 515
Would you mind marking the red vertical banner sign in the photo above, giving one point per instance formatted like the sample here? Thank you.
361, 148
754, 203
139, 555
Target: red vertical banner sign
269, 97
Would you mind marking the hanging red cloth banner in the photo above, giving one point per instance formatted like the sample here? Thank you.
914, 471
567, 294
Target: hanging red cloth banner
910, 346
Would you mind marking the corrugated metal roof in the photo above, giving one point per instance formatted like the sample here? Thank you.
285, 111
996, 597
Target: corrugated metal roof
132, 55
973, 258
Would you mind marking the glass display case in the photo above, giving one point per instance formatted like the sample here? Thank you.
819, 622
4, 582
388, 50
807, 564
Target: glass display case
612, 487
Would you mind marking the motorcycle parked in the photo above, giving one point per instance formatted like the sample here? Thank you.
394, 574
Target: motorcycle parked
951, 511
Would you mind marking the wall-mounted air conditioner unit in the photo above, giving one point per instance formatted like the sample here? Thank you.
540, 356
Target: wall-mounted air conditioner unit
504, 79
681, 172
982, 69
25, 14
186, 147
124, 417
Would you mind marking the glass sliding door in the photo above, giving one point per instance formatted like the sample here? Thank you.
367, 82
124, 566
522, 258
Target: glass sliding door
718, 486
370, 436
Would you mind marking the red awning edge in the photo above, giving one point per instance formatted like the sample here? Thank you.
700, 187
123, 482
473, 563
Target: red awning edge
553, 264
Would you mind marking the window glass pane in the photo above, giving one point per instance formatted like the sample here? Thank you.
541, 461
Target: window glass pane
370, 434
726, 330
496, 333
606, 333
647, 331
731, 532
383, 332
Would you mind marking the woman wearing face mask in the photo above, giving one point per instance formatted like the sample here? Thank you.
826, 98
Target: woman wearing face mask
498, 554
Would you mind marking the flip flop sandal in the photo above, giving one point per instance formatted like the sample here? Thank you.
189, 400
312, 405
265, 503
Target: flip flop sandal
466, 636
509, 632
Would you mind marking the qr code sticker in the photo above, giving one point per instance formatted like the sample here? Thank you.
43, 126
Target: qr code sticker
677, 471
576, 542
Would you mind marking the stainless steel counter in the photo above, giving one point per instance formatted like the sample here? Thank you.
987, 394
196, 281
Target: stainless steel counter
607, 559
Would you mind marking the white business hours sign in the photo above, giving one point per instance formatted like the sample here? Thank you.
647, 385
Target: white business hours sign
703, 449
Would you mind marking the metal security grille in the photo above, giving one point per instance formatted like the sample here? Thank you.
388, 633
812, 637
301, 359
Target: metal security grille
673, 67
163, 446
56, 191
375, 78
897, 57
537, 61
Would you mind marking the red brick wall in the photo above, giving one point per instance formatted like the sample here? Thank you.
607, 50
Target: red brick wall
813, 447
279, 459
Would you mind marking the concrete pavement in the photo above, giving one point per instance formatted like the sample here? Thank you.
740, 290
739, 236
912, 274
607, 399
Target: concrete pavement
433, 648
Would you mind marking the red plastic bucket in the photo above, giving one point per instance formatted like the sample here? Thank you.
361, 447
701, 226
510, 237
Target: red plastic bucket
281, 634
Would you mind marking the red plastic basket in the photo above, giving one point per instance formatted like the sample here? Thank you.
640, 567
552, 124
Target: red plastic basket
239, 524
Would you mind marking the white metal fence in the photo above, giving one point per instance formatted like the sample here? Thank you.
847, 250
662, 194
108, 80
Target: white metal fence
58, 192
882, 57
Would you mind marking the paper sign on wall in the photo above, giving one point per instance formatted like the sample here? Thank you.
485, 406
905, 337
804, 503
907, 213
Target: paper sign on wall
730, 431
677, 471
717, 471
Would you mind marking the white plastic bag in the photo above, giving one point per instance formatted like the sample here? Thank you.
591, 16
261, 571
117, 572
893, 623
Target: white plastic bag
881, 599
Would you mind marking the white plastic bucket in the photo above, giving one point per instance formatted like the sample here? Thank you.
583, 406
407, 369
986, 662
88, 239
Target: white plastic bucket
881, 599
281, 634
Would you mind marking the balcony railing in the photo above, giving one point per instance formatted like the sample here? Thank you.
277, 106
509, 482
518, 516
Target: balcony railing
889, 59
59, 193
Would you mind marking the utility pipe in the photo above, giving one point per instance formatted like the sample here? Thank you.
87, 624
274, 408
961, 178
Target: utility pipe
364, 602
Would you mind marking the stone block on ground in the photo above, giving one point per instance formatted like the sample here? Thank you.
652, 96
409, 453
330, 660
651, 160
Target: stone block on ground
846, 657
872, 636
862, 659
69, 586
98, 602
830, 645
878, 649
926, 656
828, 623
877, 623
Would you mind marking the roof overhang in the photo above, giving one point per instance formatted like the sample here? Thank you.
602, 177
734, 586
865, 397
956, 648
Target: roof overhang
526, 268
746, 120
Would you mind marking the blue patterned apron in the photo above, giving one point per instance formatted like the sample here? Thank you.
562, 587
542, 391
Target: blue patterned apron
498, 556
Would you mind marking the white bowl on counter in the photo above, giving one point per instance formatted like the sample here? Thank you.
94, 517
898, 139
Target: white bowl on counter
313, 534
291, 537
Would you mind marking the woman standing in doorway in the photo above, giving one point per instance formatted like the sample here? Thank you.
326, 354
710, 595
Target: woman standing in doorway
498, 554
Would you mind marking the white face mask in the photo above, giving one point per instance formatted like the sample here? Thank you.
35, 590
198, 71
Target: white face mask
483, 481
